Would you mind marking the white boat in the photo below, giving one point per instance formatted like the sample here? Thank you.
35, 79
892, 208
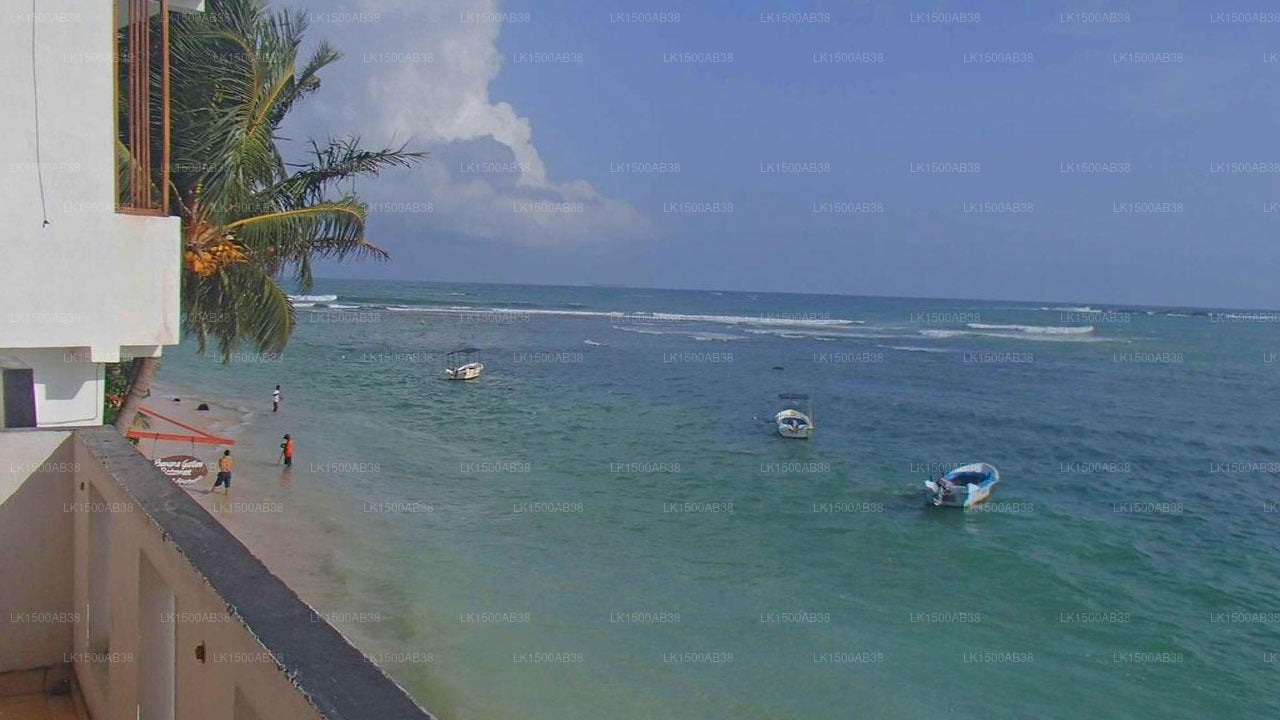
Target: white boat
966, 486
795, 421
463, 364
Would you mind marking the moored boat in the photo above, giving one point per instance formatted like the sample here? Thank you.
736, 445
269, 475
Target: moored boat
463, 364
795, 421
965, 486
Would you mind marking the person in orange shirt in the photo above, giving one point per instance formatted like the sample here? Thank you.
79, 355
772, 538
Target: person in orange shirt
225, 464
286, 451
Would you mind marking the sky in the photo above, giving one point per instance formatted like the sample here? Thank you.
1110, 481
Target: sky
1120, 152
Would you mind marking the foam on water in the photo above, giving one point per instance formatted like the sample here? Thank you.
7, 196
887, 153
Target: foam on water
1056, 539
645, 331
913, 348
1081, 309
1036, 329
625, 316
942, 334
801, 334
936, 333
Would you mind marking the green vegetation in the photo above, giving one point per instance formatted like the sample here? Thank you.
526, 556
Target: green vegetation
252, 215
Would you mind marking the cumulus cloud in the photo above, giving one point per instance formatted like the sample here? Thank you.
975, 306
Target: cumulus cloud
421, 71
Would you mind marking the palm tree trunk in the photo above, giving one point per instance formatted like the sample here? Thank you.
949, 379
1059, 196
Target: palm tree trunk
144, 371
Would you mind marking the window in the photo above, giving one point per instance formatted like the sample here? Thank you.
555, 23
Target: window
19, 399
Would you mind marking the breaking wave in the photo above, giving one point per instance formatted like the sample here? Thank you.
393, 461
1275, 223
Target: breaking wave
1036, 329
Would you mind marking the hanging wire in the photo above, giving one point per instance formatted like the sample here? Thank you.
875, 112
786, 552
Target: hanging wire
35, 101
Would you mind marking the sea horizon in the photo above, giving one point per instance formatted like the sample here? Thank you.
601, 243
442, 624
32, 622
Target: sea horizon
769, 405
1097, 304
607, 513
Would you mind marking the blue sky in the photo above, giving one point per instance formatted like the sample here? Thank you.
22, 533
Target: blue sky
1096, 145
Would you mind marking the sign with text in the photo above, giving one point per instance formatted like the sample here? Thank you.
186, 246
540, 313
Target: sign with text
182, 469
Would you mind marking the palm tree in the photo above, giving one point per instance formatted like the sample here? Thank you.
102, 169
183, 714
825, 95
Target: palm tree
249, 216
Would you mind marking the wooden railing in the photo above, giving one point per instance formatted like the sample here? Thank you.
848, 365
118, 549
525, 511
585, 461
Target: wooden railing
144, 115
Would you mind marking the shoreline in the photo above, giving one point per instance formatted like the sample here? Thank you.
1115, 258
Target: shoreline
286, 517
373, 425
276, 520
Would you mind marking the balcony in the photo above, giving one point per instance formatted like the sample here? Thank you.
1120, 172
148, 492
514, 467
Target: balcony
142, 102
123, 598
93, 277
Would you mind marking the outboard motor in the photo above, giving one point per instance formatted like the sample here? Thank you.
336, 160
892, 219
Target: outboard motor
942, 490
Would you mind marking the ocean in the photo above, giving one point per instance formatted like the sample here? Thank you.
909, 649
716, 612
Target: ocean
607, 525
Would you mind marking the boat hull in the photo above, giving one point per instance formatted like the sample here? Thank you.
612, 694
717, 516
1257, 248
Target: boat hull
962, 496
470, 371
794, 424
964, 487
787, 432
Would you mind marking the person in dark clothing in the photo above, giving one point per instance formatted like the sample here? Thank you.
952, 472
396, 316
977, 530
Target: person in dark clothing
224, 472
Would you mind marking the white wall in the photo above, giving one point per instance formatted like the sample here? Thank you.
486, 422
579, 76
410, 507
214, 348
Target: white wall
37, 617
69, 388
238, 677
92, 280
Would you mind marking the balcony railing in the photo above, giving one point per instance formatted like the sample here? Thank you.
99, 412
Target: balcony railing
142, 72
116, 579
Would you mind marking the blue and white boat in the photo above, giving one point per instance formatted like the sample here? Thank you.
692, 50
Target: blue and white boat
966, 486
796, 419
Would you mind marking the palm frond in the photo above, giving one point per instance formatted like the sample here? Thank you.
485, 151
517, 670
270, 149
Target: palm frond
238, 303
249, 216
340, 159
306, 82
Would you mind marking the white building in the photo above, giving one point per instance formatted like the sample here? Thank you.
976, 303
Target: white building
120, 596
100, 280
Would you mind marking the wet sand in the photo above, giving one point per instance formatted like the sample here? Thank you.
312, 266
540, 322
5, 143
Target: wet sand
280, 522
287, 519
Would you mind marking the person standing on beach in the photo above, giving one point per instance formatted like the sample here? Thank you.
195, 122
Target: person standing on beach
224, 472
286, 451
275, 399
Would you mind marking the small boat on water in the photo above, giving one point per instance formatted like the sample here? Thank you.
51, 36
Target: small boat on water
796, 420
463, 364
966, 486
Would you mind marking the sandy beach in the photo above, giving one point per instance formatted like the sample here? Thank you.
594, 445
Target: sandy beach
264, 509
221, 420
576, 502
286, 519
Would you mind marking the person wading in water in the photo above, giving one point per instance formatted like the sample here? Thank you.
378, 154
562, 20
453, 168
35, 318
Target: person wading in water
286, 451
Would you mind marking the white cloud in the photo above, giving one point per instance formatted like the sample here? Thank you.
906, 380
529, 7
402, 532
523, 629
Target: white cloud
418, 72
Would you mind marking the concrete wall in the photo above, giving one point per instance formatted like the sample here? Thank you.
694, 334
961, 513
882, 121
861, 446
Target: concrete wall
107, 566
69, 387
237, 671
92, 280
36, 520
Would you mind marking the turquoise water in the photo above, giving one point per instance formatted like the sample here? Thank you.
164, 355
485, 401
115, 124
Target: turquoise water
604, 525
